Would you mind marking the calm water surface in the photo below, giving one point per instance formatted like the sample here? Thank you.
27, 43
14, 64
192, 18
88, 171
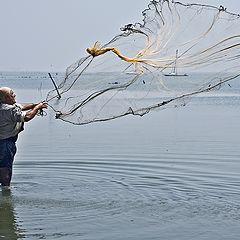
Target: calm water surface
172, 174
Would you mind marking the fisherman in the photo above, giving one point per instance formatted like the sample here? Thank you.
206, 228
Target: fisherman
12, 118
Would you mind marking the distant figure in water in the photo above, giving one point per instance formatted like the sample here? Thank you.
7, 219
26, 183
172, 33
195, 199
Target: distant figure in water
12, 118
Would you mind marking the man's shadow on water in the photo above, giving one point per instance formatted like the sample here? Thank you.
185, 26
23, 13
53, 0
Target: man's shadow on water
9, 228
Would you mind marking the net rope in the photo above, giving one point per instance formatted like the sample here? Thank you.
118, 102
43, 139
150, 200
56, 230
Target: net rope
177, 52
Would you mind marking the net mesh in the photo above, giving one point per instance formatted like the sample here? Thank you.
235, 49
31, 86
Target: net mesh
179, 50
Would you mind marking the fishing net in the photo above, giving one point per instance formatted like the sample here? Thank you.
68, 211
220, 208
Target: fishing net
180, 50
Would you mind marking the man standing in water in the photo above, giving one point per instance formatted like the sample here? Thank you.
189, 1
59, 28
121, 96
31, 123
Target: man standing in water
12, 118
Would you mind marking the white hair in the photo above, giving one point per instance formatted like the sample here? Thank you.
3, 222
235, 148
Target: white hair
4, 91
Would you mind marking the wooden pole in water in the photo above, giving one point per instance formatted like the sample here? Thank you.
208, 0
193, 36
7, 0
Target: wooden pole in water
59, 96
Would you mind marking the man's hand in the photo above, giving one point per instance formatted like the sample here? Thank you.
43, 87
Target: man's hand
41, 105
32, 113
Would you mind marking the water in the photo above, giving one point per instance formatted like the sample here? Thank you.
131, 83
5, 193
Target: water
172, 174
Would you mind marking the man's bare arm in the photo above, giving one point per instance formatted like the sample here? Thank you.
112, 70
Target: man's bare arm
28, 106
33, 112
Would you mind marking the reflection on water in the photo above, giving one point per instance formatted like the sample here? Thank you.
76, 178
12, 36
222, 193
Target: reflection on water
9, 228
171, 175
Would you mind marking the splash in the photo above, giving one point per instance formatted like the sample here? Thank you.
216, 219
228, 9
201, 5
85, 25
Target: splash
179, 51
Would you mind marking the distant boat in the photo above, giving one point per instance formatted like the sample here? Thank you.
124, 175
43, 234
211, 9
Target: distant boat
174, 72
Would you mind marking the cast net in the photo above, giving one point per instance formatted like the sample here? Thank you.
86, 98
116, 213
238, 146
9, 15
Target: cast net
178, 51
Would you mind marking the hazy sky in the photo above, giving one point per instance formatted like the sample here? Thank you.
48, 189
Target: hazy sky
49, 35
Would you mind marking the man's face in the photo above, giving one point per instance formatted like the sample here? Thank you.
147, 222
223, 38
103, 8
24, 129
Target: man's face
10, 98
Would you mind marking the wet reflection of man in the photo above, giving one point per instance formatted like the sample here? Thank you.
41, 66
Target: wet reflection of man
8, 225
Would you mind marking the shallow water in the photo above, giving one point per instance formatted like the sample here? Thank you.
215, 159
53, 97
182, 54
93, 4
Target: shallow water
173, 174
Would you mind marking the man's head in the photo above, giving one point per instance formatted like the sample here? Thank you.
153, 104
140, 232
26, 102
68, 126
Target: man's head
7, 95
